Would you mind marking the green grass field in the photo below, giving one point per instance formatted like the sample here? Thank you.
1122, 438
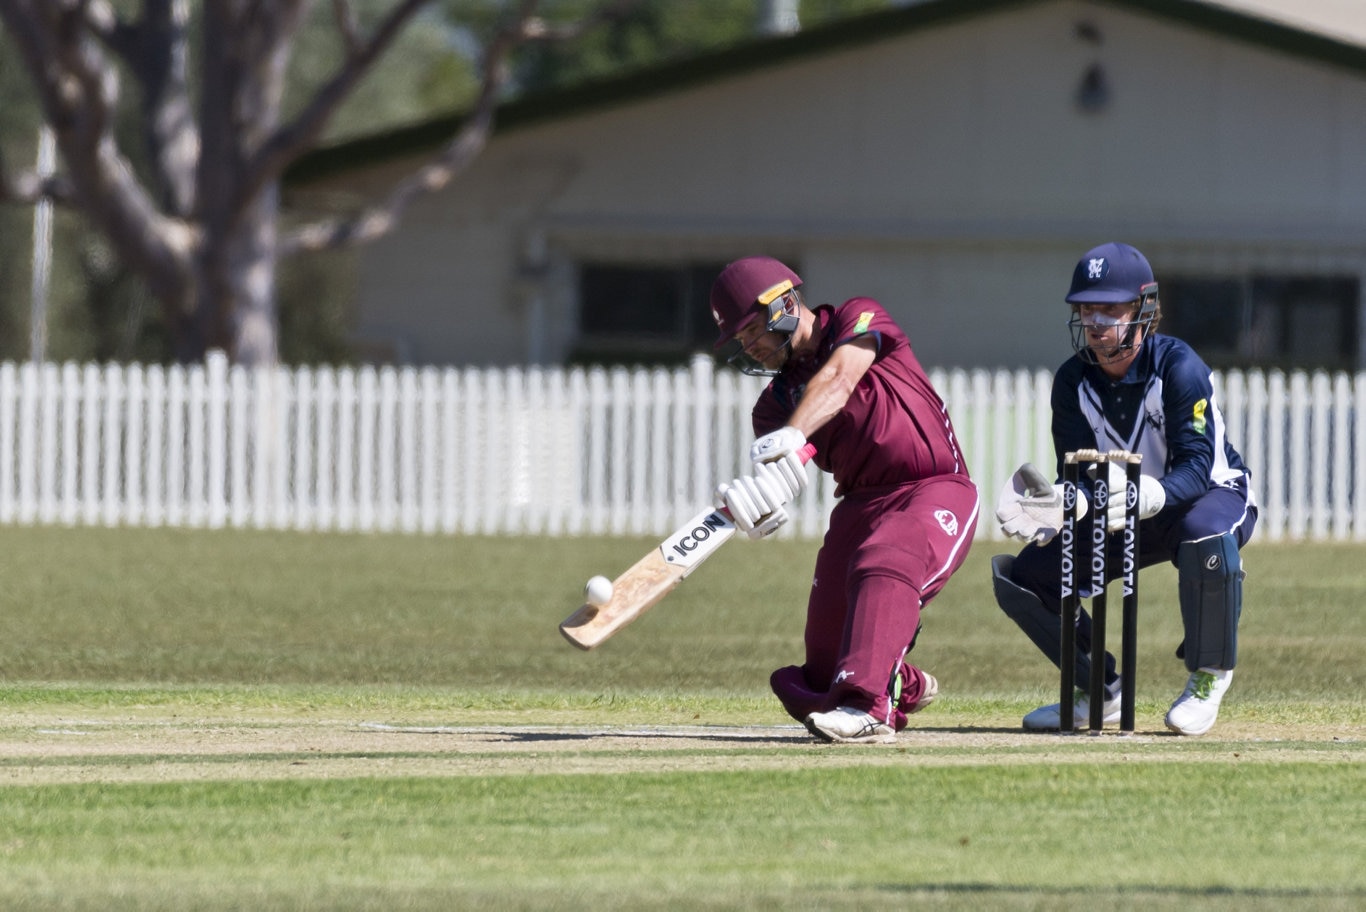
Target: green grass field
229, 720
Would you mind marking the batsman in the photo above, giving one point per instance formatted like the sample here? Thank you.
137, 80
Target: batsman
1129, 388
845, 379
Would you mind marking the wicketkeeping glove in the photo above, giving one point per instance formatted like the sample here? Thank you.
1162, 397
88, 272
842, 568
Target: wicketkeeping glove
1152, 497
1030, 506
781, 451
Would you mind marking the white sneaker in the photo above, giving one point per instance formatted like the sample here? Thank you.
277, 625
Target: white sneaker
1195, 710
1049, 718
850, 726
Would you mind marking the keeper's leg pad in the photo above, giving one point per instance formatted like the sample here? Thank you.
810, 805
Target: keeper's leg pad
1025, 608
1211, 574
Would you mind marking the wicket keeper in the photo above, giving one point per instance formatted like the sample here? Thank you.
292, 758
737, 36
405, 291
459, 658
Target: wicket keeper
845, 379
1130, 388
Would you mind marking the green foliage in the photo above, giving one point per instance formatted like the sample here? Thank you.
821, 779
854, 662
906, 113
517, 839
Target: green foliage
19, 124
15, 279
658, 31
655, 31
95, 309
422, 76
316, 308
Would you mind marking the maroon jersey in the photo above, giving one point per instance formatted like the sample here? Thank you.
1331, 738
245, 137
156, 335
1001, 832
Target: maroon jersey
893, 431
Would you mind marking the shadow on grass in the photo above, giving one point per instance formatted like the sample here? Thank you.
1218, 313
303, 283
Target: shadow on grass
1130, 893
1079, 734
734, 734
730, 735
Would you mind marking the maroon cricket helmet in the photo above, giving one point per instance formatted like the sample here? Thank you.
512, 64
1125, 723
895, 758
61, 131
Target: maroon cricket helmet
745, 289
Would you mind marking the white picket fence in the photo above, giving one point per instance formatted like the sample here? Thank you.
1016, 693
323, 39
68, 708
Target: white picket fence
543, 451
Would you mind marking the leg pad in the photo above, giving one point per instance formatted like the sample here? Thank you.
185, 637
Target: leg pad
1211, 593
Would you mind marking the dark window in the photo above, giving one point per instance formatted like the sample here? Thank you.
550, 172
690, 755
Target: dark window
655, 314
1265, 321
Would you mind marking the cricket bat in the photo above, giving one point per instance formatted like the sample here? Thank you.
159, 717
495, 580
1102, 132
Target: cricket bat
654, 576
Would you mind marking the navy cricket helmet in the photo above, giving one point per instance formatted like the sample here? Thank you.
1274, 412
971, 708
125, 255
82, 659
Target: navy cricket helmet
1114, 273
1110, 274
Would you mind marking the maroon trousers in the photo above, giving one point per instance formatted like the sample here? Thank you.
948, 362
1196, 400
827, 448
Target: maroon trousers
885, 555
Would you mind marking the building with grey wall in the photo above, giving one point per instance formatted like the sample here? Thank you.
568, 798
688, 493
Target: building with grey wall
952, 158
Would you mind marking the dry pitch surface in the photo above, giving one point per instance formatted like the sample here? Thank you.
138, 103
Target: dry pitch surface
37, 749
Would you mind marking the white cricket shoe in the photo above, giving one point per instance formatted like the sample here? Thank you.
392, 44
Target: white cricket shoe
850, 726
1195, 710
1049, 718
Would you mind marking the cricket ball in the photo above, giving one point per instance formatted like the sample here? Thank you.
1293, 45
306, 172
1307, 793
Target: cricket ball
598, 591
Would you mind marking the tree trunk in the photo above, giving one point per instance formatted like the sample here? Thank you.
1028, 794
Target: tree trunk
233, 308
251, 279
202, 233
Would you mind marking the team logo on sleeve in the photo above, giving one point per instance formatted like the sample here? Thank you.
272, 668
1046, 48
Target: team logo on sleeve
1198, 416
864, 319
947, 521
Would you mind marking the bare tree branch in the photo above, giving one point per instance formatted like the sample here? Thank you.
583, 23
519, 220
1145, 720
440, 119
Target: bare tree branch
26, 187
293, 139
78, 90
155, 50
244, 78
380, 219
345, 18
201, 232
115, 33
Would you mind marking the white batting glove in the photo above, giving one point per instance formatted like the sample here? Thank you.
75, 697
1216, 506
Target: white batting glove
755, 503
781, 451
1030, 508
769, 523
